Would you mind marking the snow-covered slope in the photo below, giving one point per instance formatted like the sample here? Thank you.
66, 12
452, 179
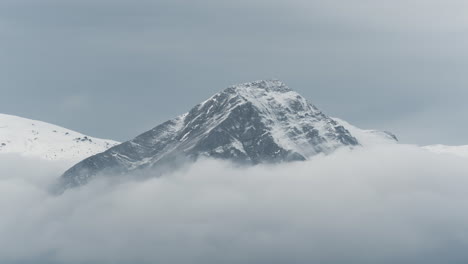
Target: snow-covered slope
461, 151
368, 137
256, 122
39, 139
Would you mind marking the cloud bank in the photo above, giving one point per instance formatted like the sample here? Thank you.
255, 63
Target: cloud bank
386, 204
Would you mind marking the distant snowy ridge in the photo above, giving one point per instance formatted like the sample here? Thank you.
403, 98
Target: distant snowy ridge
46, 141
461, 151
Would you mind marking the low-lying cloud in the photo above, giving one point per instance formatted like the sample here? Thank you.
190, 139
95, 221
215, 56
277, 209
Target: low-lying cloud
388, 204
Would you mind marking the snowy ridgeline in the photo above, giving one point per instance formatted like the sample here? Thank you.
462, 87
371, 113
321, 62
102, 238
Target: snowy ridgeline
46, 141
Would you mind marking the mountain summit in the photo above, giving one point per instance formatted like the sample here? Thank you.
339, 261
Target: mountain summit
250, 123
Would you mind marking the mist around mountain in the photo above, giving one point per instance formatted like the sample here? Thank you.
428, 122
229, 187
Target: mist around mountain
384, 203
461, 151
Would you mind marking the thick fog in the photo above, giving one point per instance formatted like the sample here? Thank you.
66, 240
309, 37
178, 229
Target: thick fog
387, 204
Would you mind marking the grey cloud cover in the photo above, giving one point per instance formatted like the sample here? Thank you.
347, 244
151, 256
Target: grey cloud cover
387, 204
390, 65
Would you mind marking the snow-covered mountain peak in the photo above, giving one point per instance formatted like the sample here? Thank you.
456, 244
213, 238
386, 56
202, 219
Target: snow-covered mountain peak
267, 85
263, 94
284, 115
46, 141
250, 123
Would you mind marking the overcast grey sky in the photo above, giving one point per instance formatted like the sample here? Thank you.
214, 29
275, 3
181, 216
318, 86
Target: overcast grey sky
114, 69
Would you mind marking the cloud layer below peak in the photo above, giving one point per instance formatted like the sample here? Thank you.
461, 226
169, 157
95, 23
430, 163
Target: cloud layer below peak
385, 204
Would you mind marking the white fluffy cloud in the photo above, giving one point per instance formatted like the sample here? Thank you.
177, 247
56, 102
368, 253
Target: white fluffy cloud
391, 204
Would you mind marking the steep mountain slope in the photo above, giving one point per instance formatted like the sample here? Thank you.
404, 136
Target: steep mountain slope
39, 139
461, 151
257, 122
